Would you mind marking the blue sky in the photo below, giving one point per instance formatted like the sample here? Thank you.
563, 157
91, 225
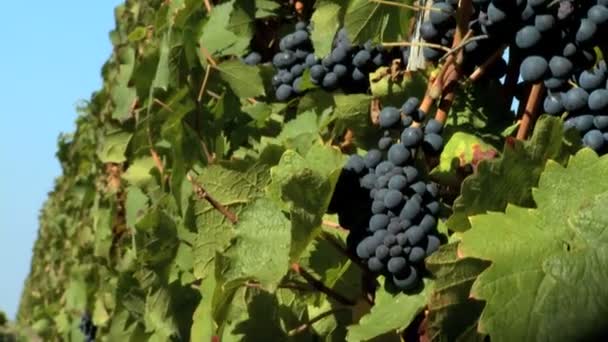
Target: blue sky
51, 57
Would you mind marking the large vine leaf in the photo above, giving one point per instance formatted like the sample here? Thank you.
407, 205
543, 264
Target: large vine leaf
453, 314
234, 187
548, 275
243, 79
510, 178
325, 22
303, 185
369, 20
261, 248
390, 313
216, 36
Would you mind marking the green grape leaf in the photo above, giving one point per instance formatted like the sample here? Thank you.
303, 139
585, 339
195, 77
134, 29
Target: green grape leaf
510, 178
123, 96
265, 8
453, 314
546, 259
461, 149
303, 185
157, 314
325, 22
113, 148
244, 80
394, 91
368, 20
216, 36
234, 186
390, 313
135, 205
260, 250
139, 172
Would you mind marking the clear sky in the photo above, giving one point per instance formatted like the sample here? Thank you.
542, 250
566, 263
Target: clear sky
51, 53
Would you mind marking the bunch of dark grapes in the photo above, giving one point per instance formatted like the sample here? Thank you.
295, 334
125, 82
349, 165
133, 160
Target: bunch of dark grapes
382, 199
346, 67
87, 327
555, 42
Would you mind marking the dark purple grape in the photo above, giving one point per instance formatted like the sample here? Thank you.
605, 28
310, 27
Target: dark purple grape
418, 187
598, 99
383, 168
414, 235
397, 182
554, 83
566, 8
384, 143
432, 54
382, 252
398, 154
583, 123
601, 122
375, 265
253, 58
340, 70
441, 14
569, 50
297, 86
397, 265
433, 126
283, 92
363, 250
410, 210
598, 14
544, 22
378, 207
553, 104
355, 163
533, 68
372, 158
396, 251
417, 255
527, 37
394, 228
410, 106
428, 223
560, 66
591, 79
362, 58
317, 72
433, 208
358, 75
432, 244
586, 31
378, 221
389, 240
432, 189
393, 198
408, 282
412, 136
428, 31
495, 14
575, 99
594, 139
330, 81
389, 117
411, 173
433, 143
368, 181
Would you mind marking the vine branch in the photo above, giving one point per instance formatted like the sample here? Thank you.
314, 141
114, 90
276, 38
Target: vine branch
201, 193
530, 110
313, 320
319, 286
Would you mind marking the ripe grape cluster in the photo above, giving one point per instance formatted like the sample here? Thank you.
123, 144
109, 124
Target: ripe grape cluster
555, 42
87, 327
390, 210
346, 67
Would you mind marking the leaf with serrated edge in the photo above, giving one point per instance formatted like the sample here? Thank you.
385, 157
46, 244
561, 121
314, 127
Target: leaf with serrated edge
245, 80
367, 20
390, 313
548, 275
325, 22
510, 178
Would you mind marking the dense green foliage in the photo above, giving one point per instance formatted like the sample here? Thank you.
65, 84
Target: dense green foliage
193, 205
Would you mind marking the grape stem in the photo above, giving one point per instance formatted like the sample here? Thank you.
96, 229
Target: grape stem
530, 111
313, 320
333, 225
319, 286
208, 6
201, 193
482, 69
204, 84
453, 73
410, 7
422, 44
